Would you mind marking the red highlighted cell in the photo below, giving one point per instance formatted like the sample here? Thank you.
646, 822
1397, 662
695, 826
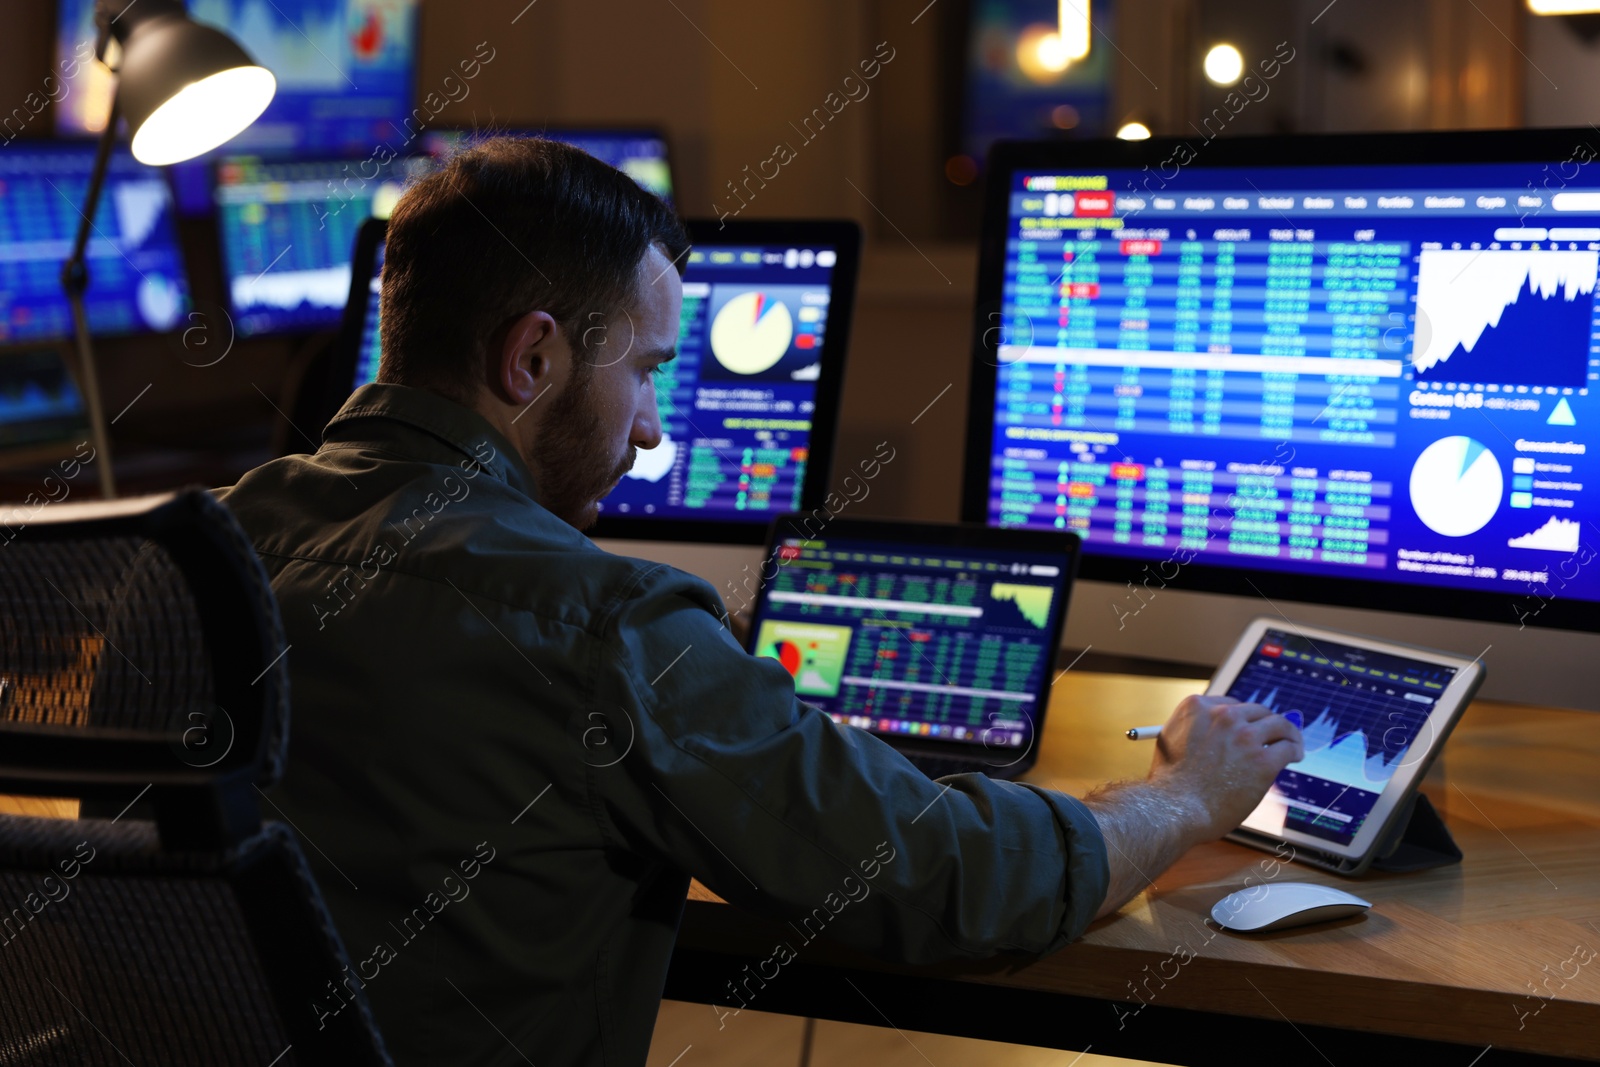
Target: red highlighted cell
1141, 248
1272, 650
1092, 205
1082, 290
805, 340
1123, 472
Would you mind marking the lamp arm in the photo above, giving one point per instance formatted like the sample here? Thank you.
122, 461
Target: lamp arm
75, 280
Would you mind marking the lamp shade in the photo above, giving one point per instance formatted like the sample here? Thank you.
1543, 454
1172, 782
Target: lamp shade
186, 88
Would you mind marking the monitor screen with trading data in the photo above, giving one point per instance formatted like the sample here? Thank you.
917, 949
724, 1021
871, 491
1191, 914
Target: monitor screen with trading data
1355, 370
366, 291
640, 153
288, 230
917, 630
136, 274
748, 406
345, 72
41, 409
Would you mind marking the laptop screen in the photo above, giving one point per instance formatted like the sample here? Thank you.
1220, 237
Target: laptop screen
911, 639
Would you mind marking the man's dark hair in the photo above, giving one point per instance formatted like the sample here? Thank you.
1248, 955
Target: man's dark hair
509, 226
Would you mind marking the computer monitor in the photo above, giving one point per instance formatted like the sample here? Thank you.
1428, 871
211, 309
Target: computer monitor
1352, 370
345, 71
42, 415
287, 231
355, 358
639, 152
747, 409
136, 275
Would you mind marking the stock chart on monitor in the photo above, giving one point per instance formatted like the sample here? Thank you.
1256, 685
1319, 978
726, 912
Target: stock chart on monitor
915, 639
136, 276
737, 404
39, 401
1375, 372
288, 231
345, 71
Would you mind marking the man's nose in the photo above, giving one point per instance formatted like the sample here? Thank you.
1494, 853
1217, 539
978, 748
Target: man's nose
647, 427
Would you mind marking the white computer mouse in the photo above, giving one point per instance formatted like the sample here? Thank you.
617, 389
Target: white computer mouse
1280, 905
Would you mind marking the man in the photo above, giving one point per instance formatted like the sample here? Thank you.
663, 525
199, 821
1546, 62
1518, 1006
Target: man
511, 750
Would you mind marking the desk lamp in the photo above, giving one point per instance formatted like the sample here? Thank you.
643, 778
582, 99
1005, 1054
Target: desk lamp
184, 89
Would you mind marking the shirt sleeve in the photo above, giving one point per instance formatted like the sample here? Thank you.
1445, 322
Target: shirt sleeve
731, 777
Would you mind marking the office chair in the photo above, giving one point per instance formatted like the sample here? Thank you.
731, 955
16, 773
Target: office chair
142, 670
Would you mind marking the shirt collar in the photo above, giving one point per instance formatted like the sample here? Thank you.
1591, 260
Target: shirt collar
454, 425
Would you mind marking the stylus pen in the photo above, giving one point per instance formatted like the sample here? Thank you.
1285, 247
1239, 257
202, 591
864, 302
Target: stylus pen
1144, 733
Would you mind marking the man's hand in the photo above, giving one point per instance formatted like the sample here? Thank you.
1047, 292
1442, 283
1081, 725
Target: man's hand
1224, 755
1214, 762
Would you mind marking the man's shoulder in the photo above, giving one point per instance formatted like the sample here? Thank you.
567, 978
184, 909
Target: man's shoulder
432, 523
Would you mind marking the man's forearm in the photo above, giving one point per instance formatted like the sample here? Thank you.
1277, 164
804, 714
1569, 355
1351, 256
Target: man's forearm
1146, 826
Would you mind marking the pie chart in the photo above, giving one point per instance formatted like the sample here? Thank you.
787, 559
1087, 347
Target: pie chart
1456, 486
751, 333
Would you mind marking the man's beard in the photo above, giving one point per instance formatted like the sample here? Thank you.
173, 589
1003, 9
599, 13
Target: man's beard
571, 471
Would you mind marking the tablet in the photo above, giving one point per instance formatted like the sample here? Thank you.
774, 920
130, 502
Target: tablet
1374, 714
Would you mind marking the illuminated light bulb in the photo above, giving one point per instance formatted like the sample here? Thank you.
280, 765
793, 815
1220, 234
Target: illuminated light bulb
1134, 131
1075, 28
203, 115
1563, 7
1051, 52
1224, 65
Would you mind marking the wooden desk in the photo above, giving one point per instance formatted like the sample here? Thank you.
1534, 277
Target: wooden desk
1501, 952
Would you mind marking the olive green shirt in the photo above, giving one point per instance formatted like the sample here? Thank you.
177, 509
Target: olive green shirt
510, 750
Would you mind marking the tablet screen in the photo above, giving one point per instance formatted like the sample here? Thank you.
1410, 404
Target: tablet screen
1360, 711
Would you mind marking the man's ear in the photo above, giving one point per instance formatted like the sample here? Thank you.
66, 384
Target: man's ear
524, 364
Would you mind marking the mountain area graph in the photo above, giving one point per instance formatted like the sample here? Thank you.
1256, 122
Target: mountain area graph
1032, 601
1355, 738
1556, 535
1483, 315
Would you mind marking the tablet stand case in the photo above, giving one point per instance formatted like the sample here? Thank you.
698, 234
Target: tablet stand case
1419, 841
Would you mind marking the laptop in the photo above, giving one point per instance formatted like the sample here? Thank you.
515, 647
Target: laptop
941, 639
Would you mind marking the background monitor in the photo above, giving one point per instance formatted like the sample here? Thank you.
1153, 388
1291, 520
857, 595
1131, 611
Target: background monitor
136, 275
288, 230
41, 412
345, 71
639, 152
1352, 370
749, 406
365, 303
